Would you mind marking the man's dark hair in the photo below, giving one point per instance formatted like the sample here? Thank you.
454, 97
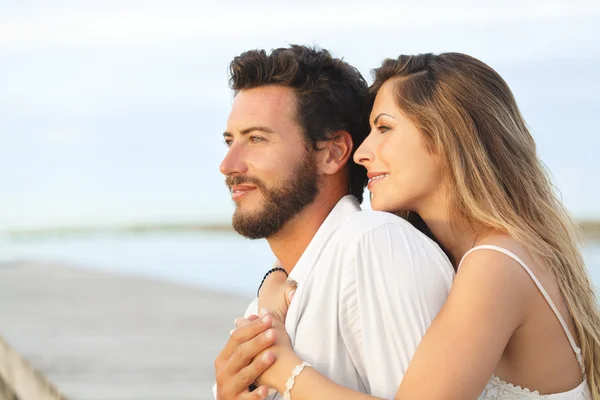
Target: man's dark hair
331, 94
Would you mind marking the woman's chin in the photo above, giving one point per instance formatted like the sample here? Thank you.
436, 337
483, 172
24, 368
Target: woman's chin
375, 208
378, 205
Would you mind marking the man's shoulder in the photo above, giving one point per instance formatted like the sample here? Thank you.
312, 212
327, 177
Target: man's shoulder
372, 232
365, 223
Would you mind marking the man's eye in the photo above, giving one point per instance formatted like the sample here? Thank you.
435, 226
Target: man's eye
228, 142
255, 139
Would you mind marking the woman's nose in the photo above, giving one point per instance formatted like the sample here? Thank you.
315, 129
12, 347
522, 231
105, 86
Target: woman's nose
363, 154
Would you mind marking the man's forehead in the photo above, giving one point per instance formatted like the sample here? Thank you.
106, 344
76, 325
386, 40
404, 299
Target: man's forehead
264, 102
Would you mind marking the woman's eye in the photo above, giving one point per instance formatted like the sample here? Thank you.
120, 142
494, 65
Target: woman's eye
383, 128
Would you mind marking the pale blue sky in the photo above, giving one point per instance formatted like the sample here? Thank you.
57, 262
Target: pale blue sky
113, 113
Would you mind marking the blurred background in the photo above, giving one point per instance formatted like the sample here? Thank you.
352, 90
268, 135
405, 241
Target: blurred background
112, 119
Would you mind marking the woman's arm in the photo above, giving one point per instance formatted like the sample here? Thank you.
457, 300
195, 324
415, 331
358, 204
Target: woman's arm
310, 384
275, 294
462, 348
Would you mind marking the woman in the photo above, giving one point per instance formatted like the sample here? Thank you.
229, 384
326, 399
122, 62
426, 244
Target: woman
449, 145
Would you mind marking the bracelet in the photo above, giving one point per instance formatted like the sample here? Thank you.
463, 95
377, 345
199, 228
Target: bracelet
289, 385
269, 273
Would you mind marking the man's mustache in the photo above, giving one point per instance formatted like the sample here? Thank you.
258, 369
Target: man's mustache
231, 181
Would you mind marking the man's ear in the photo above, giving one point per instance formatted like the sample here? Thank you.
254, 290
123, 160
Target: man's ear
335, 153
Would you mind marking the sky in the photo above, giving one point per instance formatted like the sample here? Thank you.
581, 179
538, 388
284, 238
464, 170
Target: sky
112, 112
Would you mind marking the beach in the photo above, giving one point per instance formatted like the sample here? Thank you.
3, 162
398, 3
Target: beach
123, 316
101, 336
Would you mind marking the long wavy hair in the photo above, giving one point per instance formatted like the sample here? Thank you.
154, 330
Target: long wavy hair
467, 114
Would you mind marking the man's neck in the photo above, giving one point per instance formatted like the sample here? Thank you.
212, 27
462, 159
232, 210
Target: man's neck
289, 243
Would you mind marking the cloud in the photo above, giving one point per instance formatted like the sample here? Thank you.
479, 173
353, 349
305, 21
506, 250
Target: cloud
148, 25
115, 113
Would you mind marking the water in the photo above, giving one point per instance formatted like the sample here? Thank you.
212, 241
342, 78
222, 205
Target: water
220, 261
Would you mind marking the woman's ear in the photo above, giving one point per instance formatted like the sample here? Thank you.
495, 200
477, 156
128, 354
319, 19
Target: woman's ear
335, 152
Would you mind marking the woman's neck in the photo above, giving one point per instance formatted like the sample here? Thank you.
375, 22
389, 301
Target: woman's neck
456, 237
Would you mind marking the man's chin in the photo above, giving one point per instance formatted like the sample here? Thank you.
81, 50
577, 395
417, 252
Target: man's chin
250, 224
250, 231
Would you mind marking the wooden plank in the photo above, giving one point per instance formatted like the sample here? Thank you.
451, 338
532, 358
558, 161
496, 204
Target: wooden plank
100, 336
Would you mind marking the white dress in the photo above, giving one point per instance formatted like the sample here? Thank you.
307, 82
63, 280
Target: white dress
496, 389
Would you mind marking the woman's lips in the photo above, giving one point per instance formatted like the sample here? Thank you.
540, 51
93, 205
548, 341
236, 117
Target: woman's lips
375, 178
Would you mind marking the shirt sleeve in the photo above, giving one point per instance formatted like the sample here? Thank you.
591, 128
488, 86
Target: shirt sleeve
396, 282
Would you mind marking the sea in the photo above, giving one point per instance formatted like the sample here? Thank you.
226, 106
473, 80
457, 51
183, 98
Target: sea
219, 261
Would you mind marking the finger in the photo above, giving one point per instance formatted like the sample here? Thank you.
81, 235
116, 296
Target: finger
291, 291
291, 282
247, 352
244, 321
235, 384
259, 393
245, 333
254, 395
239, 322
249, 374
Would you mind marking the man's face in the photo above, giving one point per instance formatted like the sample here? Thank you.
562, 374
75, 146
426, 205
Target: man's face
269, 166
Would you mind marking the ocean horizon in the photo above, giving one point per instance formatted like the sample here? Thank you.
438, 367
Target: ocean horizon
219, 261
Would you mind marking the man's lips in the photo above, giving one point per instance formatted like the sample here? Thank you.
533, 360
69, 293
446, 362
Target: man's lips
238, 191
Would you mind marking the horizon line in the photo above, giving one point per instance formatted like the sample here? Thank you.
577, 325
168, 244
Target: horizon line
588, 227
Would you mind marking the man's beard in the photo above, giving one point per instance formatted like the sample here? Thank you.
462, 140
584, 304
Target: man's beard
280, 204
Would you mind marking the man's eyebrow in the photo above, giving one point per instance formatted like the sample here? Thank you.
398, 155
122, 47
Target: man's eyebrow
380, 115
256, 128
246, 131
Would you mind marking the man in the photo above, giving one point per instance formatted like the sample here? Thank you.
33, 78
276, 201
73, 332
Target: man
369, 284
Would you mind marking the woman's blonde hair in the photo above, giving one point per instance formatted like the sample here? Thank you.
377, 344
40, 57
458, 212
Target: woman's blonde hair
469, 116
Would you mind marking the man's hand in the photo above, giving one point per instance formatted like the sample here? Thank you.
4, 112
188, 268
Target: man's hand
237, 366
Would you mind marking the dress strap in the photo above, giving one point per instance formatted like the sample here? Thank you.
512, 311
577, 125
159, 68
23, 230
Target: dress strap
510, 254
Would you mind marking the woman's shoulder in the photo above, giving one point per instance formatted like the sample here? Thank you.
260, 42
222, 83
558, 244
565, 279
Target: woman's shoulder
504, 261
496, 243
503, 249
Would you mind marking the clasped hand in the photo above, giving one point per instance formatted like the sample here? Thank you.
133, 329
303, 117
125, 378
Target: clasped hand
255, 345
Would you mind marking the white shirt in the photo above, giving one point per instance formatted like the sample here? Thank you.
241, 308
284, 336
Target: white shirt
369, 286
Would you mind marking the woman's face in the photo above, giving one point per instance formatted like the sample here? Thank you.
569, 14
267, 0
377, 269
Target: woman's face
403, 173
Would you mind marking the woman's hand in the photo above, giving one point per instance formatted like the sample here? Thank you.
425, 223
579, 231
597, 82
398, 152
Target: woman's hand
311, 385
276, 294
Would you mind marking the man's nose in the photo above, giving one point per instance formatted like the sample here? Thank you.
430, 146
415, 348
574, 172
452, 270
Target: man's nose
233, 163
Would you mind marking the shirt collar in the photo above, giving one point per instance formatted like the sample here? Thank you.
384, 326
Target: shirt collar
347, 206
